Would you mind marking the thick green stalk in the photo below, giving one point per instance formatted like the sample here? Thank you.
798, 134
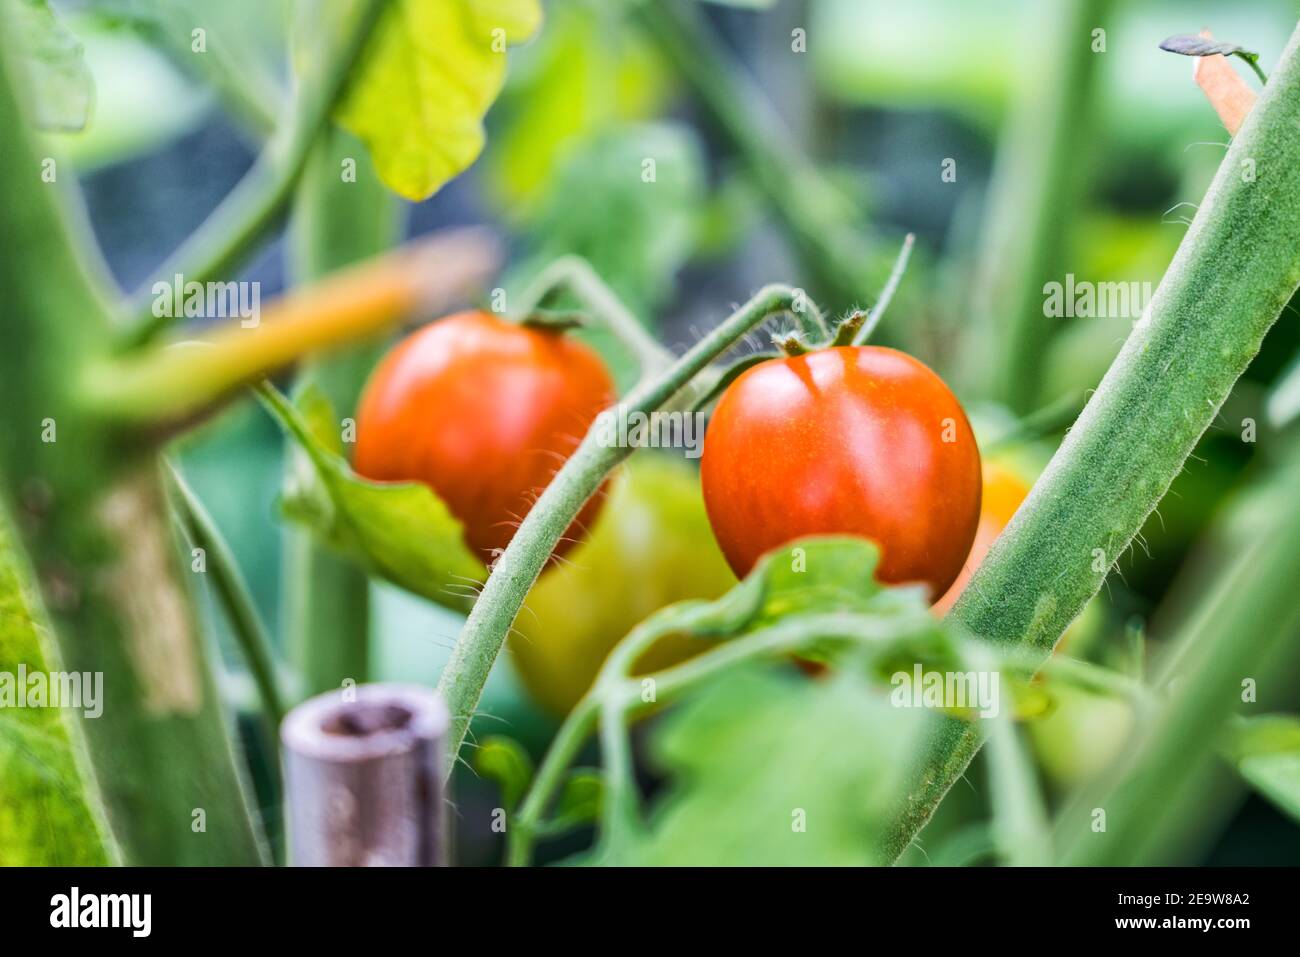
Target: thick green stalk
830, 247
89, 508
259, 199
514, 573
327, 598
1250, 615
1235, 270
1039, 175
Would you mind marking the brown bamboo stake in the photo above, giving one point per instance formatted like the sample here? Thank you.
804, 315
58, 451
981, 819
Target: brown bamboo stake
363, 778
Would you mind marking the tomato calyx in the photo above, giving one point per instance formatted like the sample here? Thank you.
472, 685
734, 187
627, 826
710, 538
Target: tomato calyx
845, 333
555, 320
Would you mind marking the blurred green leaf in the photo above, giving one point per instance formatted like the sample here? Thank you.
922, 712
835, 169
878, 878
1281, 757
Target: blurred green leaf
579, 802
775, 770
629, 204
585, 73
504, 761
432, 70
400, 531
1267, 752
46, 801
59, 78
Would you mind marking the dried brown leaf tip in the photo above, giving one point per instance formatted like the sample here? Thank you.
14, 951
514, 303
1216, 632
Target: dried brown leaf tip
1222, 85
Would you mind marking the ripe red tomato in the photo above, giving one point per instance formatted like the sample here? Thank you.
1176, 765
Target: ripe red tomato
485, 412
851, 440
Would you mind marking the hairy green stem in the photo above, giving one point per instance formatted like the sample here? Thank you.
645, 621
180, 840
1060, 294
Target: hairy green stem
514, 573
576, 274
887, 294
1251, 612
259, 199
1039, 175
91, 514
1234, 272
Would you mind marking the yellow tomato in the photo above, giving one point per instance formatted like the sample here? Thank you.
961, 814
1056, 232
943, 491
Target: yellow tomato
1004, 490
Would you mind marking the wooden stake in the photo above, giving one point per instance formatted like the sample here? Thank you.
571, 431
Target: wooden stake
363, 778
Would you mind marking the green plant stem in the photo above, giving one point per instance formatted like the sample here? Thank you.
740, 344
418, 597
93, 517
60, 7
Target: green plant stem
514, 573
91, 514
257, 202
887, 294
832, 250
1020, 822
615, 696
1235, 270
1249, 617
326, 597
250, 634
575, 274
1039, 175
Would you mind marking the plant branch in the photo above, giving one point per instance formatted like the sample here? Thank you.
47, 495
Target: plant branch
576, 274
514, 573
887, 294
166, 384
1251, 612
1232, 275
257, 202
250, 633
615, 692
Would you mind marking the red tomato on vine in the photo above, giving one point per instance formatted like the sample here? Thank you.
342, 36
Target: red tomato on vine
484, 412
852, 440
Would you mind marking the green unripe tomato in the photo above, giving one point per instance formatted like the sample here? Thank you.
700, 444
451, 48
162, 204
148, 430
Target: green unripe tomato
650, 547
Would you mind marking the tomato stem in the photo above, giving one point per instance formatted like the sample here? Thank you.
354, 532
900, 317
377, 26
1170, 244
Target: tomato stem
515, 571
577, 276
1233, 274
887, 294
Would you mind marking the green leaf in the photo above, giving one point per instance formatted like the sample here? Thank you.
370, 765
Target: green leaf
588, 71
48, 807
58, 75
504, 761
642, 189
1267, 752
579, 803
811, 575
400, 531
425, 83
776, 770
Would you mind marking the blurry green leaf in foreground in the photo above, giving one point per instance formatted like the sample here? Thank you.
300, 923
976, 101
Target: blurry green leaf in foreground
629, 203
425, 83
777, 770
57, 72
1267, 752
400, 531
46, 816
768, 766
